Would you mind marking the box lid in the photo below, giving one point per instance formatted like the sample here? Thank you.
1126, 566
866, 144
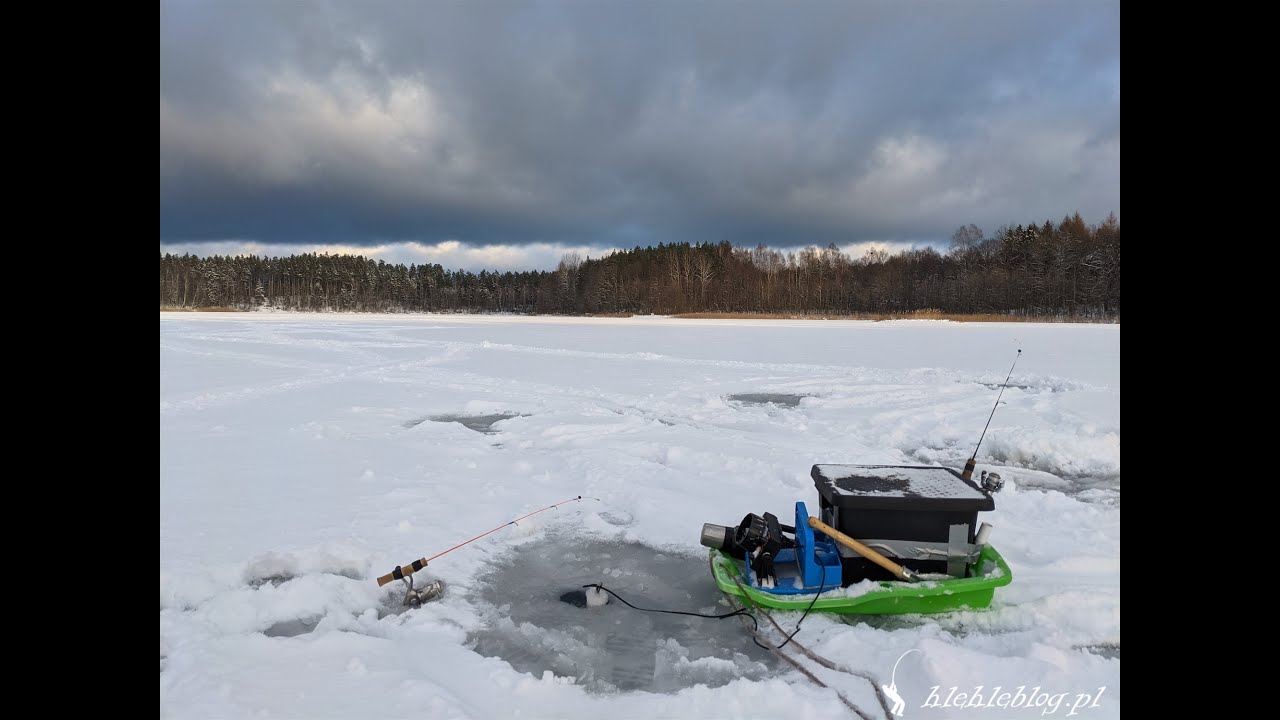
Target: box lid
899, 487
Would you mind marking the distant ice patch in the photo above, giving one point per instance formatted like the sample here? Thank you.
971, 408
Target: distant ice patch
780, 399
479, 423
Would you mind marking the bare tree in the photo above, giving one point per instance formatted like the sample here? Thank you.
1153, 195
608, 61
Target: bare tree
966, 237
704, 270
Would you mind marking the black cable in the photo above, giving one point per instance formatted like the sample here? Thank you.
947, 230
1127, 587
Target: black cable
821, 587
740, 611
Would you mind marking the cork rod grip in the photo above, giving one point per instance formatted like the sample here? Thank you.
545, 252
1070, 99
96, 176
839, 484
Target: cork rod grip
401, 572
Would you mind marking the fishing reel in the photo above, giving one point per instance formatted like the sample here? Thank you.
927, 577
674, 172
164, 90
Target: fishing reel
991, 482
416, 596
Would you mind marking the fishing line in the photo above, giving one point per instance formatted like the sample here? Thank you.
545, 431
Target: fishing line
402, 573
993, 408
510, 522
973, 459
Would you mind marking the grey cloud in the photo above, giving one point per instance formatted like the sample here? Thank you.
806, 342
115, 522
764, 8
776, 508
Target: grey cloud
615, 124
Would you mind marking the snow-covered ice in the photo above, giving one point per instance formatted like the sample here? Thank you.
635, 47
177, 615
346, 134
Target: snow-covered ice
295, 467
896, 482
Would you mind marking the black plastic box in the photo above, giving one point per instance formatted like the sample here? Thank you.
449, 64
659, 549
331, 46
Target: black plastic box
897, 502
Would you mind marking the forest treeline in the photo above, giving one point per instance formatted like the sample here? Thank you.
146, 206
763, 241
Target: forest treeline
1069, 270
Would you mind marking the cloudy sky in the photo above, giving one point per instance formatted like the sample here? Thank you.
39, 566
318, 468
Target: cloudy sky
501, 134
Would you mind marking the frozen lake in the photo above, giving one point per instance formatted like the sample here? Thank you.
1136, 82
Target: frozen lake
303, 455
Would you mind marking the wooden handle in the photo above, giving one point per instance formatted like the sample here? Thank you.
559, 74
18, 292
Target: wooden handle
898, 571
400, 572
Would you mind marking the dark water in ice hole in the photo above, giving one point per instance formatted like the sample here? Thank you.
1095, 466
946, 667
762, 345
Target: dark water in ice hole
614, 647
1103, 490
479, 423
781, 399
1106, 650
997, 386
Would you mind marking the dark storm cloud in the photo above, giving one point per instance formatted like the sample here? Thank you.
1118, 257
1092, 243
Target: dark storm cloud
614, 124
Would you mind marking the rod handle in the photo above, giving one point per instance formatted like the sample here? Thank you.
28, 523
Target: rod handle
898, 571
401, 572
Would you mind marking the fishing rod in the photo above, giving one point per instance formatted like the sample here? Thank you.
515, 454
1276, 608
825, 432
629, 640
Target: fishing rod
403, 572
973, 459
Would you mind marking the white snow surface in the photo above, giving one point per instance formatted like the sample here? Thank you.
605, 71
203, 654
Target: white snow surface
296, 467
